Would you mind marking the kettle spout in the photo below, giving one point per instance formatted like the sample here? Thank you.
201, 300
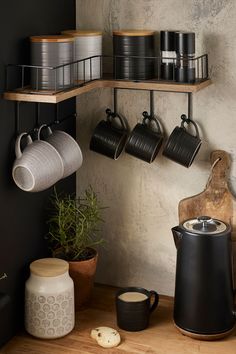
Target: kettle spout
177, 234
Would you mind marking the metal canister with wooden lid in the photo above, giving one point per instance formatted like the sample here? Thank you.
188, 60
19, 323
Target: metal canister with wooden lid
49, 299
51, 51
133, 52
87, 44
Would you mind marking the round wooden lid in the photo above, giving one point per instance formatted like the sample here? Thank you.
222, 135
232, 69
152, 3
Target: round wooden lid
49, 267
82, 33
133, 33
52, 38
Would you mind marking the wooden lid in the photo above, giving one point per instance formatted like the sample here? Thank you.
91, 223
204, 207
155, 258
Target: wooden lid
49, 267
82, 33
133, 33
52, 38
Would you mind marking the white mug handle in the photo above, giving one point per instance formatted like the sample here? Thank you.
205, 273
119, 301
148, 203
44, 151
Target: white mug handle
18, 151
40, 129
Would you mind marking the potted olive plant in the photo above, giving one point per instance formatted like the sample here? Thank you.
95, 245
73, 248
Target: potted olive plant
73, 236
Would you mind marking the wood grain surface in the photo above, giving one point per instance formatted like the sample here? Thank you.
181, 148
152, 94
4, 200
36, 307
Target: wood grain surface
51, 38
160, 338
82, 33
133, 33
216, 200
49, 267
27, 95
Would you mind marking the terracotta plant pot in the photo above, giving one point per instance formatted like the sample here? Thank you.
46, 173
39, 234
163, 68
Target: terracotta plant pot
82, 273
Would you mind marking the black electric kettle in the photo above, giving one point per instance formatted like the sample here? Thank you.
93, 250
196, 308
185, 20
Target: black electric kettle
204, 296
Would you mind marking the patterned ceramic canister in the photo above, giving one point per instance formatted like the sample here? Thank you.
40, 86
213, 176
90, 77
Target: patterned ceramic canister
49, 299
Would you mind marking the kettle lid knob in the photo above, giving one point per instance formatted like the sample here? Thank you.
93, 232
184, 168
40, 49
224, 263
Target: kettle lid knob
205, 222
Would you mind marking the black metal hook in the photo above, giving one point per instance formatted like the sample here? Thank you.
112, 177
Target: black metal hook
146, 115
185, 119
17, 118
151, 105
37, 116
190, 105
115, 100
151, 92
56, 120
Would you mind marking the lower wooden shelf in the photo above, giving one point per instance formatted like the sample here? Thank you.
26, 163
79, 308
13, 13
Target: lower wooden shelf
161, 337
50, 97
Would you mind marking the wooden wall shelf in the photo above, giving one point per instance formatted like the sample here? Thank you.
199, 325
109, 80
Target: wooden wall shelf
29, 96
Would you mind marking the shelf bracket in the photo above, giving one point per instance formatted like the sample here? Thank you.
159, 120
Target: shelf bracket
190, 105
151, 103
37, 124
17, 117
115, 90
56, 120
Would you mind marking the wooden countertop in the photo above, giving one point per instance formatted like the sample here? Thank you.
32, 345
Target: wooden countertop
160, 338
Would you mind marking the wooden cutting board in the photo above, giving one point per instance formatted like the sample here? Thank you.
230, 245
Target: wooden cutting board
216, 200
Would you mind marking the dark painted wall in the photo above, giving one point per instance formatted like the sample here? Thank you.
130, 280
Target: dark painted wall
23, 215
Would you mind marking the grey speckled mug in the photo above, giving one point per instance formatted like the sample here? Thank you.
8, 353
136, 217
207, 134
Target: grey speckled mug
67, 147
38, 166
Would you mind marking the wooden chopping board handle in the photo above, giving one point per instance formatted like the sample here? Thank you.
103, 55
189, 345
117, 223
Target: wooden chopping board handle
220, 161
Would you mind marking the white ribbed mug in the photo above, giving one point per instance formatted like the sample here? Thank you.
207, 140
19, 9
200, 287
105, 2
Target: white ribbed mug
38, 167
67, 147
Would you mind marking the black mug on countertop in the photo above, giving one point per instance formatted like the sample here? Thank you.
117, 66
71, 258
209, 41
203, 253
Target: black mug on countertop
109, 138
182, 147
145, 139
133, 307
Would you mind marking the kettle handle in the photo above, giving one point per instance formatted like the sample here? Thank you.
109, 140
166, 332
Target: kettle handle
177, 234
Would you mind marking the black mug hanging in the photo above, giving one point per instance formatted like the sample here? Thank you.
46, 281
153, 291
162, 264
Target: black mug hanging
108, 138
145, 141
182, 147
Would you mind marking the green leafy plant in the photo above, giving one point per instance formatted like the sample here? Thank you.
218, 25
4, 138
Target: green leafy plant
73, 225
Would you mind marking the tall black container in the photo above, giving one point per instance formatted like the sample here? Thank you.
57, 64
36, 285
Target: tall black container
204, 296
138, 44
167, 49
185, 51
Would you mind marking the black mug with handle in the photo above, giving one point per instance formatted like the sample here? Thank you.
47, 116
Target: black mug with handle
109, 138
134, 306
145, 139
182, 147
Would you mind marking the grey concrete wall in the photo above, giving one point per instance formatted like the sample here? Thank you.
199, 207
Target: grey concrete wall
143, 198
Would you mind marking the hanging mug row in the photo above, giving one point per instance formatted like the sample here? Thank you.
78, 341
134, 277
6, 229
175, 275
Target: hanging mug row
42, 163
110, 137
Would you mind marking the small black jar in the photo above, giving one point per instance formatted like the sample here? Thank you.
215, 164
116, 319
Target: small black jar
133, 52
185, 51
167, 49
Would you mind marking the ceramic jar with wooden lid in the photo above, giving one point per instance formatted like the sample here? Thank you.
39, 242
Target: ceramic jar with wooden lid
133, 52
87, 44
49, 299
52, 51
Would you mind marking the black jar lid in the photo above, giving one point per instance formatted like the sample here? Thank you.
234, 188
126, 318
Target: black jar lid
167, 41
185, 42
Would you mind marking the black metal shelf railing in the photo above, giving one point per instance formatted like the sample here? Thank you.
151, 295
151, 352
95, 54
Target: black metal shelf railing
42, 79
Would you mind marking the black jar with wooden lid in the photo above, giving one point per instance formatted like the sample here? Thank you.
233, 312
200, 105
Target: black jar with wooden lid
133, 52
51, 51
